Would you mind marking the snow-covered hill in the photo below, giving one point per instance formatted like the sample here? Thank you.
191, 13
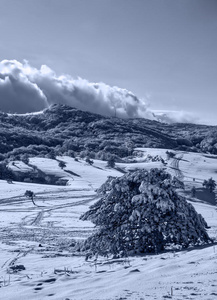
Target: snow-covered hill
41, 238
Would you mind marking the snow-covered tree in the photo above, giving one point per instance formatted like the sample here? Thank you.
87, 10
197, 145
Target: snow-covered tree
141, 212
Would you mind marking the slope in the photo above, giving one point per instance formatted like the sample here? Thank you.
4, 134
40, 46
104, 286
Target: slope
41, 238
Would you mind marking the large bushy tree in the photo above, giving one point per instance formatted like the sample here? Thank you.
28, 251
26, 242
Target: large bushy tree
141, 212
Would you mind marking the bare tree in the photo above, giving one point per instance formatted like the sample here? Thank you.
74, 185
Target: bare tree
30, 195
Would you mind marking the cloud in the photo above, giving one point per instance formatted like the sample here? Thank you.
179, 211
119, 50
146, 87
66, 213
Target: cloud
17, 93
168, 116
24, 88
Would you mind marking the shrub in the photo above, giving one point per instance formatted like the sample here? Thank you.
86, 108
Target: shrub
62, 164
170, 154
193, 191
6, 173
25, 158
141, 212
89, 161
111, 162
209, 184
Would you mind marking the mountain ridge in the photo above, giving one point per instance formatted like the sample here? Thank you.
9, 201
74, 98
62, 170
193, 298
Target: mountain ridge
61, 128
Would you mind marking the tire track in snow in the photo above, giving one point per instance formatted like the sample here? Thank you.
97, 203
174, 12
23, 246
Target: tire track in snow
52, 207
175, 166
32, 229
38, 218
11, 261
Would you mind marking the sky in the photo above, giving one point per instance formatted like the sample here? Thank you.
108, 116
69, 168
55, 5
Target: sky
160, 54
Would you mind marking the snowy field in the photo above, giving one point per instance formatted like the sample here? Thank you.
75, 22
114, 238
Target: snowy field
41, 238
